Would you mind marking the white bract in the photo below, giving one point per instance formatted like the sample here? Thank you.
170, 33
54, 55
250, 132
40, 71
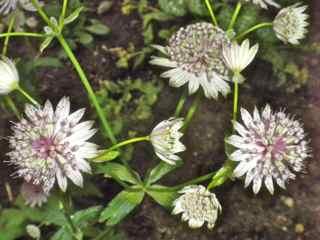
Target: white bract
238, 57
198, 206
51, 144
290, 25
165, 138
194, 55
270, 148
9, 77
264, 3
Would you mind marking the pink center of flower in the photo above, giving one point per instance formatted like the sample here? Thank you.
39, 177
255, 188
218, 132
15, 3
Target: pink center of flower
44, 147
276, 148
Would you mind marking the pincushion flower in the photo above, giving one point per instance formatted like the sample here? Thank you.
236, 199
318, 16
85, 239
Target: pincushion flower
198, 206
49, 145
194, 55
264, 3
7, 6
33, 194
165, 138
237, 58
290, 23
9, 77
271, 148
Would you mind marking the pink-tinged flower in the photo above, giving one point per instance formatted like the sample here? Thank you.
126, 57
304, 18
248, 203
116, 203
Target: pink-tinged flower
271, 147
34, 195
50, 145
194, 56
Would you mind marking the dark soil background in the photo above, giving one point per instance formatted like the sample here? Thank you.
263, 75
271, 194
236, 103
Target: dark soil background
288, 215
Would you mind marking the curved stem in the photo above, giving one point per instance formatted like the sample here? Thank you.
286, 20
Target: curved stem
210, 9
235, 101
235, 15
27, 96
181, 103
254, 28
192, 110
22, 34
124, 143
7, 38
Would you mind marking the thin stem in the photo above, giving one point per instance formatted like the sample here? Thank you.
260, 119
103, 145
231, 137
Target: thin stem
124, 143
254, 28
181, 103
210, 9
192, 110
235, 15
27, 96
222, 175
88, 88
22, 34
63, 13
235, 101
7, 38
12, 105
43, 15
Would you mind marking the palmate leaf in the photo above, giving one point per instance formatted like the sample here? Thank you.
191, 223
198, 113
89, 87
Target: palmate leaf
120, 207
159, 171
164, 198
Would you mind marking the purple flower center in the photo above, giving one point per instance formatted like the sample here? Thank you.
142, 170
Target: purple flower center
44, 147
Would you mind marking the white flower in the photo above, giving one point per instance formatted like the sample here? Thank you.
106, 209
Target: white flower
9, 77
271, 147
194, 55
197, 206
7, 6
34, 195
290, 24
165, 140
51, 145
237, 58
264, 3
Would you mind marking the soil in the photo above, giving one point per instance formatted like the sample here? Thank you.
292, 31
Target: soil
293, 214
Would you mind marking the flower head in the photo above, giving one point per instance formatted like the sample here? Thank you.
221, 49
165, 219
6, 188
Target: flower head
7, 6
237, 58
197, 206
9, 77
194, 55
290, 24
271, 147
49, 145
264, 3
165, 140
33, 194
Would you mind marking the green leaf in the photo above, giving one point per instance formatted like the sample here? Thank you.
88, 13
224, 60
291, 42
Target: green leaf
98, 28
159, 171
119, 171
176, 8
197, 7
164, 198
63, 233
120, 207
47, 62
86, 215
46, 43
84, 38
107, 156
73, 16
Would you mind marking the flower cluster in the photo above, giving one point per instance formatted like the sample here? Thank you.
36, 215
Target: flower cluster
51, 144
194, 55
271, 146
197, 206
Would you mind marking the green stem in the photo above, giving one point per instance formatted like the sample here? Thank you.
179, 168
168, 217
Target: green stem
181, 103
63, 13
210, 9
27, 96
235, 15
124, 143
254, 28
22, 34
192, 110
222, 175
7, 38
12, 105
88, 88
44, 15
235, 101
